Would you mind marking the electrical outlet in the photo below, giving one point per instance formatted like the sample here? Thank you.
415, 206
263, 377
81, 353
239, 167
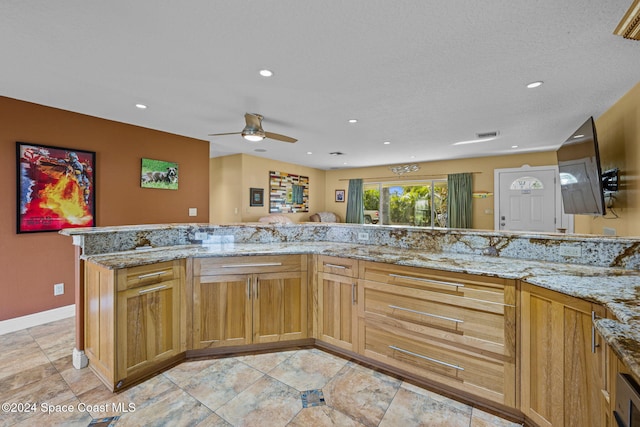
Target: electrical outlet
570, 250
58, 289
193, 211
363, 236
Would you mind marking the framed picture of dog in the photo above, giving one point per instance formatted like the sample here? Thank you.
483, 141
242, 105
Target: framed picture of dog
55, 188
159, 174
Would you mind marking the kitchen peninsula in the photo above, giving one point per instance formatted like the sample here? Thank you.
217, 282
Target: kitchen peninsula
467, 312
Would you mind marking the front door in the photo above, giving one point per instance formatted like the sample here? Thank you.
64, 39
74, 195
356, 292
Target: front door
528, 199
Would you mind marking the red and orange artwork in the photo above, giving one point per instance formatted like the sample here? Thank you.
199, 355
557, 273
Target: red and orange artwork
55, 188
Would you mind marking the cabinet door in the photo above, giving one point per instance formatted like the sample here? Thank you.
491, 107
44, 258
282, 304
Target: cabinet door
222, 310
279, 307
563, 369
148, 326
337, 310
584, 367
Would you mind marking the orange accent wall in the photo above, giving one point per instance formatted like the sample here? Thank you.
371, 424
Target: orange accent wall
31, 263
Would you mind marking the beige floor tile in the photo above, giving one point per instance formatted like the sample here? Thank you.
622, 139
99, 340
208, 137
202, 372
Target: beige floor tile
221, 382
435, 396
265, 362
51, 390
323, 416
80, 380
307, 370
59, 415
214, 420
412, 409
53, 328
174, 408
266, 402
24, 357
481, 418
362, 393
27, 376
184, 373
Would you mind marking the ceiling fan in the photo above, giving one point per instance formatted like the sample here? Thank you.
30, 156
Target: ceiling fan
253, 130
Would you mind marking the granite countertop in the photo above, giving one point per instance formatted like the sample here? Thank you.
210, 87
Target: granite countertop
615, 288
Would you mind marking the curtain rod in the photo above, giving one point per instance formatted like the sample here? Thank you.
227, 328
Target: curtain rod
398, 177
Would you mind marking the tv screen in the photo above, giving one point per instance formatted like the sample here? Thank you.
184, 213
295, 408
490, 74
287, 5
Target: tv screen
580, 172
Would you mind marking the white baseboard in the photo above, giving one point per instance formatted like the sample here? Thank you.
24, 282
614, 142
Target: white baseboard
35, 319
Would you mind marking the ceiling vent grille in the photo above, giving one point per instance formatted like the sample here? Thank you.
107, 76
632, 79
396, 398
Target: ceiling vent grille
483, 135
629, 26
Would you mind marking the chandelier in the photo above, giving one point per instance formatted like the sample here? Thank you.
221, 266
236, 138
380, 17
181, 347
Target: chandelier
399, 170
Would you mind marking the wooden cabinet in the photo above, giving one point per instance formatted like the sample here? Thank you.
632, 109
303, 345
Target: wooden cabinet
338, 301
452, 328
563, 360
249, 300
133, 320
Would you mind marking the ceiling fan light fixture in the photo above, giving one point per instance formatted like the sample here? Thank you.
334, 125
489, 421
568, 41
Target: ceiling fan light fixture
253, 138
253, 135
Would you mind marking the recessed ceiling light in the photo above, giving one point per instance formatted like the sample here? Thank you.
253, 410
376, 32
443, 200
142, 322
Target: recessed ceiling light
353, 121
387, 142
514, 146
309, 152
577, 136
141, 106
533, 85
266, 73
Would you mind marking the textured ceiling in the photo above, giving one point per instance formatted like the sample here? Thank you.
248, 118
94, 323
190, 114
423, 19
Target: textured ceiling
420, 74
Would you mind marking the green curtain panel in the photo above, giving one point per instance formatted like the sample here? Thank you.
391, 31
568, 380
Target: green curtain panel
459, 207
355, 204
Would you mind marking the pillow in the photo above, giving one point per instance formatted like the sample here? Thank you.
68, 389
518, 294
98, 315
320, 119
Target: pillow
276, 219
324, 217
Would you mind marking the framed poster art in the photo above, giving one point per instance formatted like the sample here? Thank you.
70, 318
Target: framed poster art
256, 196
159, 174
340, 196
55, 188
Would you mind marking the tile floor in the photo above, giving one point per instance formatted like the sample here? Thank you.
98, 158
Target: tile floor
256, 390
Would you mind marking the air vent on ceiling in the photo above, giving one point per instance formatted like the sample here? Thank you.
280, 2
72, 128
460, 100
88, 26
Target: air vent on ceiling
629, 26
336, 153
487, 134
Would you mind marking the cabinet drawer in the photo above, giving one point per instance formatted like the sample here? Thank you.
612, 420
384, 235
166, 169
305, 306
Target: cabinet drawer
467, 371
336, 265
467, 321
473, 286
148, 274
249, 264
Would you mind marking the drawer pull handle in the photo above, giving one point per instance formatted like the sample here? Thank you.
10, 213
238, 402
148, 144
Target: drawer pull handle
402, 350
353, 294
594, 345
158, 273
420, 279
395, 307
335, 266
146, 291
259, 264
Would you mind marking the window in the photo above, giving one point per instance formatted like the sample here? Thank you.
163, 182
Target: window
415, 203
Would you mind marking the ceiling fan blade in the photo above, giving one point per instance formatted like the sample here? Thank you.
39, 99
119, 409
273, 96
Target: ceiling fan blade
228, 133
279, 137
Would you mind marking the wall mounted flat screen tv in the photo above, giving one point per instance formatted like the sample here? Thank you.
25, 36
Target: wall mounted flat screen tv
580, 172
